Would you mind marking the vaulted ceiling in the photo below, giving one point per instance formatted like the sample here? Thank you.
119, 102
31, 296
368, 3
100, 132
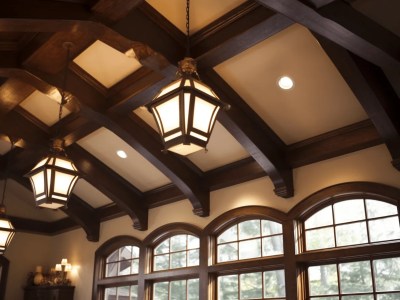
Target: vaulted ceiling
344, 57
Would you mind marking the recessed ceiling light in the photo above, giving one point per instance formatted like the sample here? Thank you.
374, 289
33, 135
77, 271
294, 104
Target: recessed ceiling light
285, 83
122, 154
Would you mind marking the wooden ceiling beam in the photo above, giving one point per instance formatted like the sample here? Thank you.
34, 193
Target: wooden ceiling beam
235, 32
112, 185
374, 92
340, 23
181, 176
254, 135
111, 11
84, 215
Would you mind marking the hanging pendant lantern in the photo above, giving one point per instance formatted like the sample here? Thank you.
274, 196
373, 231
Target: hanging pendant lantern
53, 178
7, 230
185, 111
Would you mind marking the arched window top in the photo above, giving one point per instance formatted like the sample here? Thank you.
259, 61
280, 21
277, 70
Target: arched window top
250, 239
177, 251
352, 222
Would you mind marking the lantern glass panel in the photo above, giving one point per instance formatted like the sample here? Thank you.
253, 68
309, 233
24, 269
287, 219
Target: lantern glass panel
205, 89
169, 114
203, 115
5, 235
187, 106
185, 149
38, 182
64, 163
62, 182
169, 88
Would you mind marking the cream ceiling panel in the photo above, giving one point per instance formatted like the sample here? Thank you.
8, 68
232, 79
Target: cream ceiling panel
106, 64
320, 101
92, 196
104, 144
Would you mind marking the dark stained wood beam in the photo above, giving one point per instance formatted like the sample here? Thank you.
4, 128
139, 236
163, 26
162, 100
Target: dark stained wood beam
72, 128
12, 93
338, 142
254, 135
374, 92
184, 178
84, 215
112, 185
338, 22
110, 11
235, 32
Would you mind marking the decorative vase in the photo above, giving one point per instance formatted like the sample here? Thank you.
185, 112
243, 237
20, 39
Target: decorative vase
38, 278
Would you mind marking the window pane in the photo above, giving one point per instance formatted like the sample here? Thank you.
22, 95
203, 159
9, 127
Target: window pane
323, 280
161, 262
249, 249
162, 248
178, 260
395, 296
274, 284
228, 252
384, 229
320, 238
251, 286
178, 290
193, 289
111, 269
113, 256
124, 268
160, 291
110, 293
355, 277
228, 235
123, 292
135, 266
387, 274
178, 242
377, 208
193, 242
272, 245
135, 252
125, 252
350, 210
228, 287
193, 257
249, 229
319, 219
270, 227
325, 298
134, 292
351, 234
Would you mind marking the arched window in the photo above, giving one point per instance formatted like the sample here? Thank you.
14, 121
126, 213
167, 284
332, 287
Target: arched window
175, 259
349, 244
248, 254
116, 269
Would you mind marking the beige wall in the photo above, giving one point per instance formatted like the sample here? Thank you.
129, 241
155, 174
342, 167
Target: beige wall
27, 250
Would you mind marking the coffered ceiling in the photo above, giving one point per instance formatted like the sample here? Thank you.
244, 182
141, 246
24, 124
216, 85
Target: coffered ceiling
343, 56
